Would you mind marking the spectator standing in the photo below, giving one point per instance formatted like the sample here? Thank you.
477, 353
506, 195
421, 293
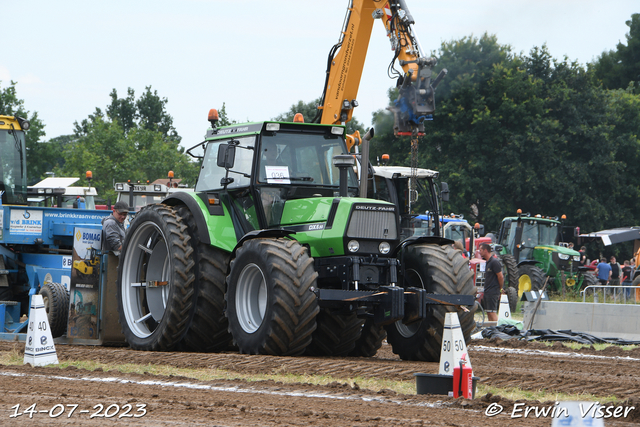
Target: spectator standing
616, 273
493, 282
603, 271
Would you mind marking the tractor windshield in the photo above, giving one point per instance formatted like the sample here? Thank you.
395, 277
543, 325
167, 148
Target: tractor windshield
301, 159
536, 233
13, 173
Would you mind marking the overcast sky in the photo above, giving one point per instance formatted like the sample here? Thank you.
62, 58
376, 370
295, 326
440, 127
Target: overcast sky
257, 57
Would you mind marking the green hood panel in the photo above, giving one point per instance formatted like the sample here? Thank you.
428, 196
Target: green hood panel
559, 249
308, 217
301, 211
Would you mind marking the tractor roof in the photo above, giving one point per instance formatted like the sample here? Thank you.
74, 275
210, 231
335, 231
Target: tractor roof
257, 127
402, 171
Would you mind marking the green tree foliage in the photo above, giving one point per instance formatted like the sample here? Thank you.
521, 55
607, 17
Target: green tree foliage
223, 118
529, 132
618, 68
38, 153
135, 140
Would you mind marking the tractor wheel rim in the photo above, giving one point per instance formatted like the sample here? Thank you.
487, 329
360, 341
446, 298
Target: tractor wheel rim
147, 251
524, 284
251, 298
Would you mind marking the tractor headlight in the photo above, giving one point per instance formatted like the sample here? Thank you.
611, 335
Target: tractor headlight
576, 258
564, 257
384, 248
353, 246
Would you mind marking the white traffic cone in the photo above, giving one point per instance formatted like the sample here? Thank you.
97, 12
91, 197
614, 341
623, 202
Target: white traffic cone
504, 312
453, 346
39, 349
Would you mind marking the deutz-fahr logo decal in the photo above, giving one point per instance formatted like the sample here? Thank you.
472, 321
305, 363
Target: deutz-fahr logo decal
379, 208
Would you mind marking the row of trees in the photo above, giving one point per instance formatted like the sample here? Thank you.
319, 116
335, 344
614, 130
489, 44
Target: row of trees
527, 131
133, 139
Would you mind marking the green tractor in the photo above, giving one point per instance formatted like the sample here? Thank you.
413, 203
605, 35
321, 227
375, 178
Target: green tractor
530, 248
274, 253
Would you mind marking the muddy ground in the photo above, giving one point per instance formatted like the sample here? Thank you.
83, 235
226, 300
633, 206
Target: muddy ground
151, 400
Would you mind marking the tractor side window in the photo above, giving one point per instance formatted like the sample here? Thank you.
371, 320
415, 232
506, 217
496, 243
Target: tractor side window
211, 173
530, 238
13, 175
245, 206
381, 189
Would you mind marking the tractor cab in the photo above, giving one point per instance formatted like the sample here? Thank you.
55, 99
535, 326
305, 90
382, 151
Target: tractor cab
534, 244
392, 183
271, 170
13, 160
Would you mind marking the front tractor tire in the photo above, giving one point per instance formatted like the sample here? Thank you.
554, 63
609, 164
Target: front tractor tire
439, 270
270, 306
531, 278
156, 280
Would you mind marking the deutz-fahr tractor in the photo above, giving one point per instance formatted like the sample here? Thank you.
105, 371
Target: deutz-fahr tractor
531, 246
274, 253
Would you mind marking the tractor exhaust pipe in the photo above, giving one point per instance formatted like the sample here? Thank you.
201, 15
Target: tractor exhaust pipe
344, 162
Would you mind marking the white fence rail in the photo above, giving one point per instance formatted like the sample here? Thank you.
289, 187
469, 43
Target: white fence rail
619, 294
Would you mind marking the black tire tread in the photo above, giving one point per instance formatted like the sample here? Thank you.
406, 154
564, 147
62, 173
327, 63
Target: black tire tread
511, 266
335, 335
512, 295
370, 340
56, 299
445, 271
293, 307
180, 306
208, 331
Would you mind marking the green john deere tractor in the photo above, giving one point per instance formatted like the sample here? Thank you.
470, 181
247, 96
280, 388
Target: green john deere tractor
531, 246
274, 253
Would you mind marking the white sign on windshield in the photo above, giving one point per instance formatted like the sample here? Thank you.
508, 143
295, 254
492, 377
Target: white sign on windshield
277, 174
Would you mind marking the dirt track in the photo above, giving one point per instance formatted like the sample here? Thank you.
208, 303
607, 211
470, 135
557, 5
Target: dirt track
183, 401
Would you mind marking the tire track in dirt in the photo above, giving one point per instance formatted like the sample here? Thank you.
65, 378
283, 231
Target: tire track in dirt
535, 367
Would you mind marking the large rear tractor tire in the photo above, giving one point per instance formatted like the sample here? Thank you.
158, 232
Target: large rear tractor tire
156, 287
209, 329
270, 305
335, 335
439, 270
589, 279
370, 340
512, 295
56, 303
531, 278
509, 271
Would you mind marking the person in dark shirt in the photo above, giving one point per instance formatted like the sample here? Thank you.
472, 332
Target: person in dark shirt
493, 282
616, 270
113, 228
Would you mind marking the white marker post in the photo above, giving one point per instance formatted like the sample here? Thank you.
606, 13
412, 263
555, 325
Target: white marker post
39, 349
504, 312
453, 346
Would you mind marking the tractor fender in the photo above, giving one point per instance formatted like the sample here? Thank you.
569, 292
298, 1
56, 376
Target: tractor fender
529, 262
190, 202
262, 234
415, 240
